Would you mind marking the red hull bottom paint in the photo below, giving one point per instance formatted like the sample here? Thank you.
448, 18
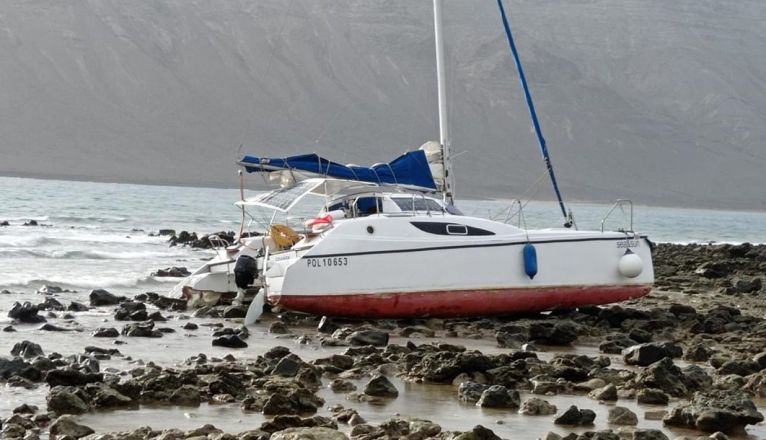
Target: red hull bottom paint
457, 303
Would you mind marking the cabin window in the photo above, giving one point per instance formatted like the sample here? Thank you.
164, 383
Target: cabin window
417, 204
457, 229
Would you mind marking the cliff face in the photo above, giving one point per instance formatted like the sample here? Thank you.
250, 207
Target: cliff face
662, 102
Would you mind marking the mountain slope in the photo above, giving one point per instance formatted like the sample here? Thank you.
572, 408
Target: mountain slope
661, 102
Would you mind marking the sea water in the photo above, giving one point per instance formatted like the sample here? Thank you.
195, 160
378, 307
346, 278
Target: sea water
102, 235
99, 235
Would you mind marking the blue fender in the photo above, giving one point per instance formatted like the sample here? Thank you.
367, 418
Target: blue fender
530, 260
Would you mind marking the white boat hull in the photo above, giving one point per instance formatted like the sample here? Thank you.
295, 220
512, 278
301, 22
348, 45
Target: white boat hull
381, 275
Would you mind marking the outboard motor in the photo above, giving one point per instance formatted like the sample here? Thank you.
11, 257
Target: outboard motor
245, 271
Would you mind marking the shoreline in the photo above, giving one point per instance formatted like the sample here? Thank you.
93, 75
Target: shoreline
695, 341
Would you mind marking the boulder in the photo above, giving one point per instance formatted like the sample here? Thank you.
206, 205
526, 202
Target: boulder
64, 400
715, 410
666, 376
66, 426
470, 392
141, 329
229, 341
575, 416
278, 328
235, 311
100, 297
342, 386
648, 434
620, 415
651, 352
478, 433
537, 407
187, 395
106, 332
71, 377
652, 396
75, 306
316, 433
18, 367
368, 337
288, 366
498, 396
26, 313
740, 367
27, 350
176, 272
127, 308
51, 303
380, 386
297, 401
327, 325
607, 393
558, 333
108, 397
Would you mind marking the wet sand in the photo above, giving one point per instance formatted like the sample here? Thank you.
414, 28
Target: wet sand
678, 283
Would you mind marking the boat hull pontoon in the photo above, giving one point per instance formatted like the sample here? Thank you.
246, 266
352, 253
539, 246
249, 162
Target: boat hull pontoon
352, 272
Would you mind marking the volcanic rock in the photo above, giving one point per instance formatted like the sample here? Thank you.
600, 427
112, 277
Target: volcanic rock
229, 341
26, 313
315, 433
498, 396
71, 377
141, 329
107, 397
64, 400
177, 272
537, 407
470, 391
620, 415
607, 393
368, 337
715, 411
106, 332
235, 311
327, 325
100, 297
75, 306
51, 303
649, 353
575, 416
66, 426
278, 328
559, 333
380, 386
652, 396
188, 395
27, 350
294, 402
127, 308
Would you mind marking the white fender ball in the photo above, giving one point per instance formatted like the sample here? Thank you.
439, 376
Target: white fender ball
630, 265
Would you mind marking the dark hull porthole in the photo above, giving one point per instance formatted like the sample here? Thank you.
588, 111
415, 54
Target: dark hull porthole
370, 229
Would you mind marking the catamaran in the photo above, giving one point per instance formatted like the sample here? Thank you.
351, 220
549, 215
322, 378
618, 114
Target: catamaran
389, 242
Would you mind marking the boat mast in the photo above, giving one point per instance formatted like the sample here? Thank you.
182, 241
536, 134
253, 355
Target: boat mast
448, 186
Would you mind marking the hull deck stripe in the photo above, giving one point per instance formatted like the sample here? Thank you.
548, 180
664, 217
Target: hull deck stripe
465, 246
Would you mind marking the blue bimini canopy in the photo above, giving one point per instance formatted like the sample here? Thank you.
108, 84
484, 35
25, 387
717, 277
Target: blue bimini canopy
411, 169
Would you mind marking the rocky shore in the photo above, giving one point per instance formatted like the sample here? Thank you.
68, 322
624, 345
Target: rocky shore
691, 354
